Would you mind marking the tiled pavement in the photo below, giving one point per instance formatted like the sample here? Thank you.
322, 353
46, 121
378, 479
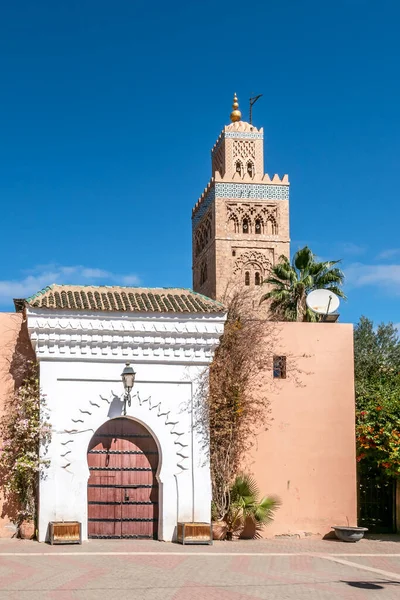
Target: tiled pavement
281, 569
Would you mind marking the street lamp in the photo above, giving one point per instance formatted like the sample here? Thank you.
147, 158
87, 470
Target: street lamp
128, 379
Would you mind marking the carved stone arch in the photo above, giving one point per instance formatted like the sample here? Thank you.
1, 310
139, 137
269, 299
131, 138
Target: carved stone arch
271, 226
239, 167
233, 223
250, 169
198, 243
203, 234
207, 229
255, 259
246, 221
259, 224
203, 272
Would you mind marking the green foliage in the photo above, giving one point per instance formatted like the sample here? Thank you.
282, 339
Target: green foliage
292, 282
25, 434
377, 384
376, 354
244, 504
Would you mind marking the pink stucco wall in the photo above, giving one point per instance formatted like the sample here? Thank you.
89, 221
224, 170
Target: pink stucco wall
15, 350
307, 456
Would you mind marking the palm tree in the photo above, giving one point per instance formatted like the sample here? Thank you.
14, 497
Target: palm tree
292, 282
245, 505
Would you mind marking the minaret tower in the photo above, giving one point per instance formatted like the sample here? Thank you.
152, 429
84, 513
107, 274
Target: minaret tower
240, 223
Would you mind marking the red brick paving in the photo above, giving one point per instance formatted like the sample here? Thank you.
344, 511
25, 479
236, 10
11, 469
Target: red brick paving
284, 569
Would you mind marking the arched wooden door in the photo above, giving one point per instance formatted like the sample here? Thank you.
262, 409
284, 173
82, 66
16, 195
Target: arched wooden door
122, 487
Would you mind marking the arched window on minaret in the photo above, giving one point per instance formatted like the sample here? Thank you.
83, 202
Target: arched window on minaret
272, 227
258, 226
203, 273
245, 225
239, 167
257, 278
247, 278
233, 224
199, 242
250, 169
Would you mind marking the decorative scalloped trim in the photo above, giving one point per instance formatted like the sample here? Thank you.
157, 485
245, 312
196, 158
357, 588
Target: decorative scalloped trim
119, 338
179, 442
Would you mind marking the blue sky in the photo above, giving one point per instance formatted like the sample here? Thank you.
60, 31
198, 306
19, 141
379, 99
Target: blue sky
108, 111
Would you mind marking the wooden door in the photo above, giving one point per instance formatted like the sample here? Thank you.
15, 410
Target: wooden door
122, 487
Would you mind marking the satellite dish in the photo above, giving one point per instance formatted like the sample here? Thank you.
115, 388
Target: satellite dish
322, 302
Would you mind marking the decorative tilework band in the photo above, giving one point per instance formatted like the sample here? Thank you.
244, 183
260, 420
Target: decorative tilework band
241, 191
244, 135
207, 201
256, 191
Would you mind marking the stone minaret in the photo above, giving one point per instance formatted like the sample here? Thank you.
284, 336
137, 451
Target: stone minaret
241, 221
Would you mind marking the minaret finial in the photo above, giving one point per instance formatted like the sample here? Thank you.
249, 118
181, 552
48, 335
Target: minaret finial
236, 115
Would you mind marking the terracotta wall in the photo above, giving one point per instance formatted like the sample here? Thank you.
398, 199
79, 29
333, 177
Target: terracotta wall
15, 351
307, 457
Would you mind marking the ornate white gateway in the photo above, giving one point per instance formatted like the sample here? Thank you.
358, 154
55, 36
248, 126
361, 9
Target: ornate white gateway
82, 337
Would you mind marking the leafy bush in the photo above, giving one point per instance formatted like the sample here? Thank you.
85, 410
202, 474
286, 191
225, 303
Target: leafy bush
25, 434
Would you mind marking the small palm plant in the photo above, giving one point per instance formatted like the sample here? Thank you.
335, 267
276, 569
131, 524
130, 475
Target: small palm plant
245, 506
292, 282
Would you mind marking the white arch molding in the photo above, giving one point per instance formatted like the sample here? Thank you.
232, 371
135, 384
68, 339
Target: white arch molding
174, 475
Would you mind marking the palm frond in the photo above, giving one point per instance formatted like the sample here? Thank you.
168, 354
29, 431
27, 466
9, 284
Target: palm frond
283, 272
303, 258
275, 281
334, 276
291, 282
319, 267
265, 510
244, 490
336, 290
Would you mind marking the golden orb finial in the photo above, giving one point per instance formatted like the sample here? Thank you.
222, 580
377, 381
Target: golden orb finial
236, 115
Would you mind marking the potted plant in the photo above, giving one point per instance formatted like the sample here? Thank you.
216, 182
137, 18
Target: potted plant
26, 529
218, 525
244, 506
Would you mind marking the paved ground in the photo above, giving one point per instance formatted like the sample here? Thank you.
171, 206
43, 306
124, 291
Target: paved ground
281, 569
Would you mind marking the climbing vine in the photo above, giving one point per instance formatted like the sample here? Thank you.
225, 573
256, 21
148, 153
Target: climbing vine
233, 405
25, 434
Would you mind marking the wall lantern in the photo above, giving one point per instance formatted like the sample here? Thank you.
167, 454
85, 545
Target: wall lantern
128, 379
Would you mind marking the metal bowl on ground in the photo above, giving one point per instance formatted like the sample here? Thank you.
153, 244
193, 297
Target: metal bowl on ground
349, 534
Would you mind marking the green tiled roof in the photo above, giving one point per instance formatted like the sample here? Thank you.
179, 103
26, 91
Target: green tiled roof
120, 299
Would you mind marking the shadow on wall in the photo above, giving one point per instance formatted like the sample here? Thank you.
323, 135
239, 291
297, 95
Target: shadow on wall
116, 407
22, 356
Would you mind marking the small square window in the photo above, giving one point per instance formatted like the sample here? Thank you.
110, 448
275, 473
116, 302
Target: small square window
279, 367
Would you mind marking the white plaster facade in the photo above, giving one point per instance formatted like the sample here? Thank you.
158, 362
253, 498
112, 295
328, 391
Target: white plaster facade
81, 357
